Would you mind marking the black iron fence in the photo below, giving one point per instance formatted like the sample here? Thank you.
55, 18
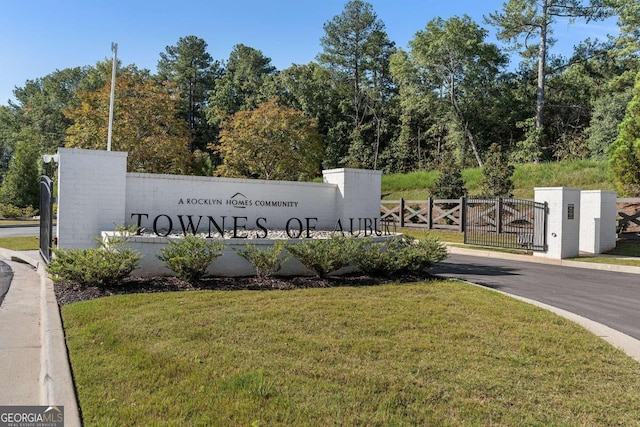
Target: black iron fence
506, 223
46, 217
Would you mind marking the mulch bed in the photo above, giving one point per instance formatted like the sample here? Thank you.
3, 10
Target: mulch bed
68, 293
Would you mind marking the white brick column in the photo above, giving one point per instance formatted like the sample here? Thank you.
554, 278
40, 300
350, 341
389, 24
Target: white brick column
91, 195
358, 197
598, 214
563, 221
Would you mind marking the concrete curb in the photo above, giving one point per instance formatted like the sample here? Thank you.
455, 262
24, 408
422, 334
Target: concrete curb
56, 381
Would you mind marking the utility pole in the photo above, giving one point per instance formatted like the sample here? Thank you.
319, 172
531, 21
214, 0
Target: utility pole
114, 49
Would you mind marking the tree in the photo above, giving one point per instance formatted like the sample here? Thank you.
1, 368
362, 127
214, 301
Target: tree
449, 184
240, 87
624, 152
9, 128
270, 142
497, 174
628, 12
421, 122
145, 124
357, 50
608, 111
453, 60
527, 24
307, 88
21, 186
40, 103
194, 71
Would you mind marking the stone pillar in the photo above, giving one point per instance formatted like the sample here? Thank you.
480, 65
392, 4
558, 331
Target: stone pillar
358, 197
598, 214
563, 221
91, 195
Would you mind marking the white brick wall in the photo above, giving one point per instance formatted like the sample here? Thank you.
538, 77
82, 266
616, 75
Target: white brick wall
355, 189
95, 193
205, 196
598, 214
91, 195
562, 233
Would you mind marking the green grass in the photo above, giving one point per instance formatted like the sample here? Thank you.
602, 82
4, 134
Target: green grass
443, 236
29, 243
411, 186
582, 174
12, 222
624, 248
433, 353
608, 260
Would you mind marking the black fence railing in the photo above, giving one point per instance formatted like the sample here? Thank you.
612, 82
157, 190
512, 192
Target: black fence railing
506, 223
46, 217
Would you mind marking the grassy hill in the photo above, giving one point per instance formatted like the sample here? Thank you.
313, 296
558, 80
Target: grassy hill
582, 174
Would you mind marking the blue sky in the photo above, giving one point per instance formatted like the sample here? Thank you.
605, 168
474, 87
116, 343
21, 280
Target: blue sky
38, 37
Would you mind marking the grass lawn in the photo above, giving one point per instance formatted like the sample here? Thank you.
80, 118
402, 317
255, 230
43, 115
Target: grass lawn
29, 243
432, 353
443, 236
583, 174
14, 222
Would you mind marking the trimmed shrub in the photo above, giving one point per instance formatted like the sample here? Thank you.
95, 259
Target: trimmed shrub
380, 259
399, 255
109, 263
11, 211
191, 256
266, 262
424, 253
324, 256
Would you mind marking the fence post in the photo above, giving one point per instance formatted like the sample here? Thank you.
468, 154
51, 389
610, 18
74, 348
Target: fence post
499, 215
401, 213
463, 213
429, 213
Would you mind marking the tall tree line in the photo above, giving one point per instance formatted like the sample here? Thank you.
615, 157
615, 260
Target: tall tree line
450, 93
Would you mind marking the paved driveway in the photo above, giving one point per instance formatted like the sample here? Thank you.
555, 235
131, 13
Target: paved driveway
610, 298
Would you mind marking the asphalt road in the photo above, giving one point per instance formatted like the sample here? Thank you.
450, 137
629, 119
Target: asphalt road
609, 298
6, 274
24, 231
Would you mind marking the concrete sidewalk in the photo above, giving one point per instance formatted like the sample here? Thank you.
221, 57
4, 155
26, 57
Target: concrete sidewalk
34, 365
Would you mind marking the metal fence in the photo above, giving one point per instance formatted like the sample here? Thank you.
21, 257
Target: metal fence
506, 223
46, 217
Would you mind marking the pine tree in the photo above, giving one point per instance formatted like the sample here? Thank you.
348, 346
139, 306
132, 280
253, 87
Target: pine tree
624, 152
449, 184
498, 173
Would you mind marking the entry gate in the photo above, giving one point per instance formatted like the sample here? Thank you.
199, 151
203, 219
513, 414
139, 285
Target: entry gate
506, 223
46, 217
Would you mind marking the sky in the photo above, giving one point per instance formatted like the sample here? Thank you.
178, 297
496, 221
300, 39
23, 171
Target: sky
38, 37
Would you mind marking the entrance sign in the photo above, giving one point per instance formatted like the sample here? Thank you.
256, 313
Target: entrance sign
96, 194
